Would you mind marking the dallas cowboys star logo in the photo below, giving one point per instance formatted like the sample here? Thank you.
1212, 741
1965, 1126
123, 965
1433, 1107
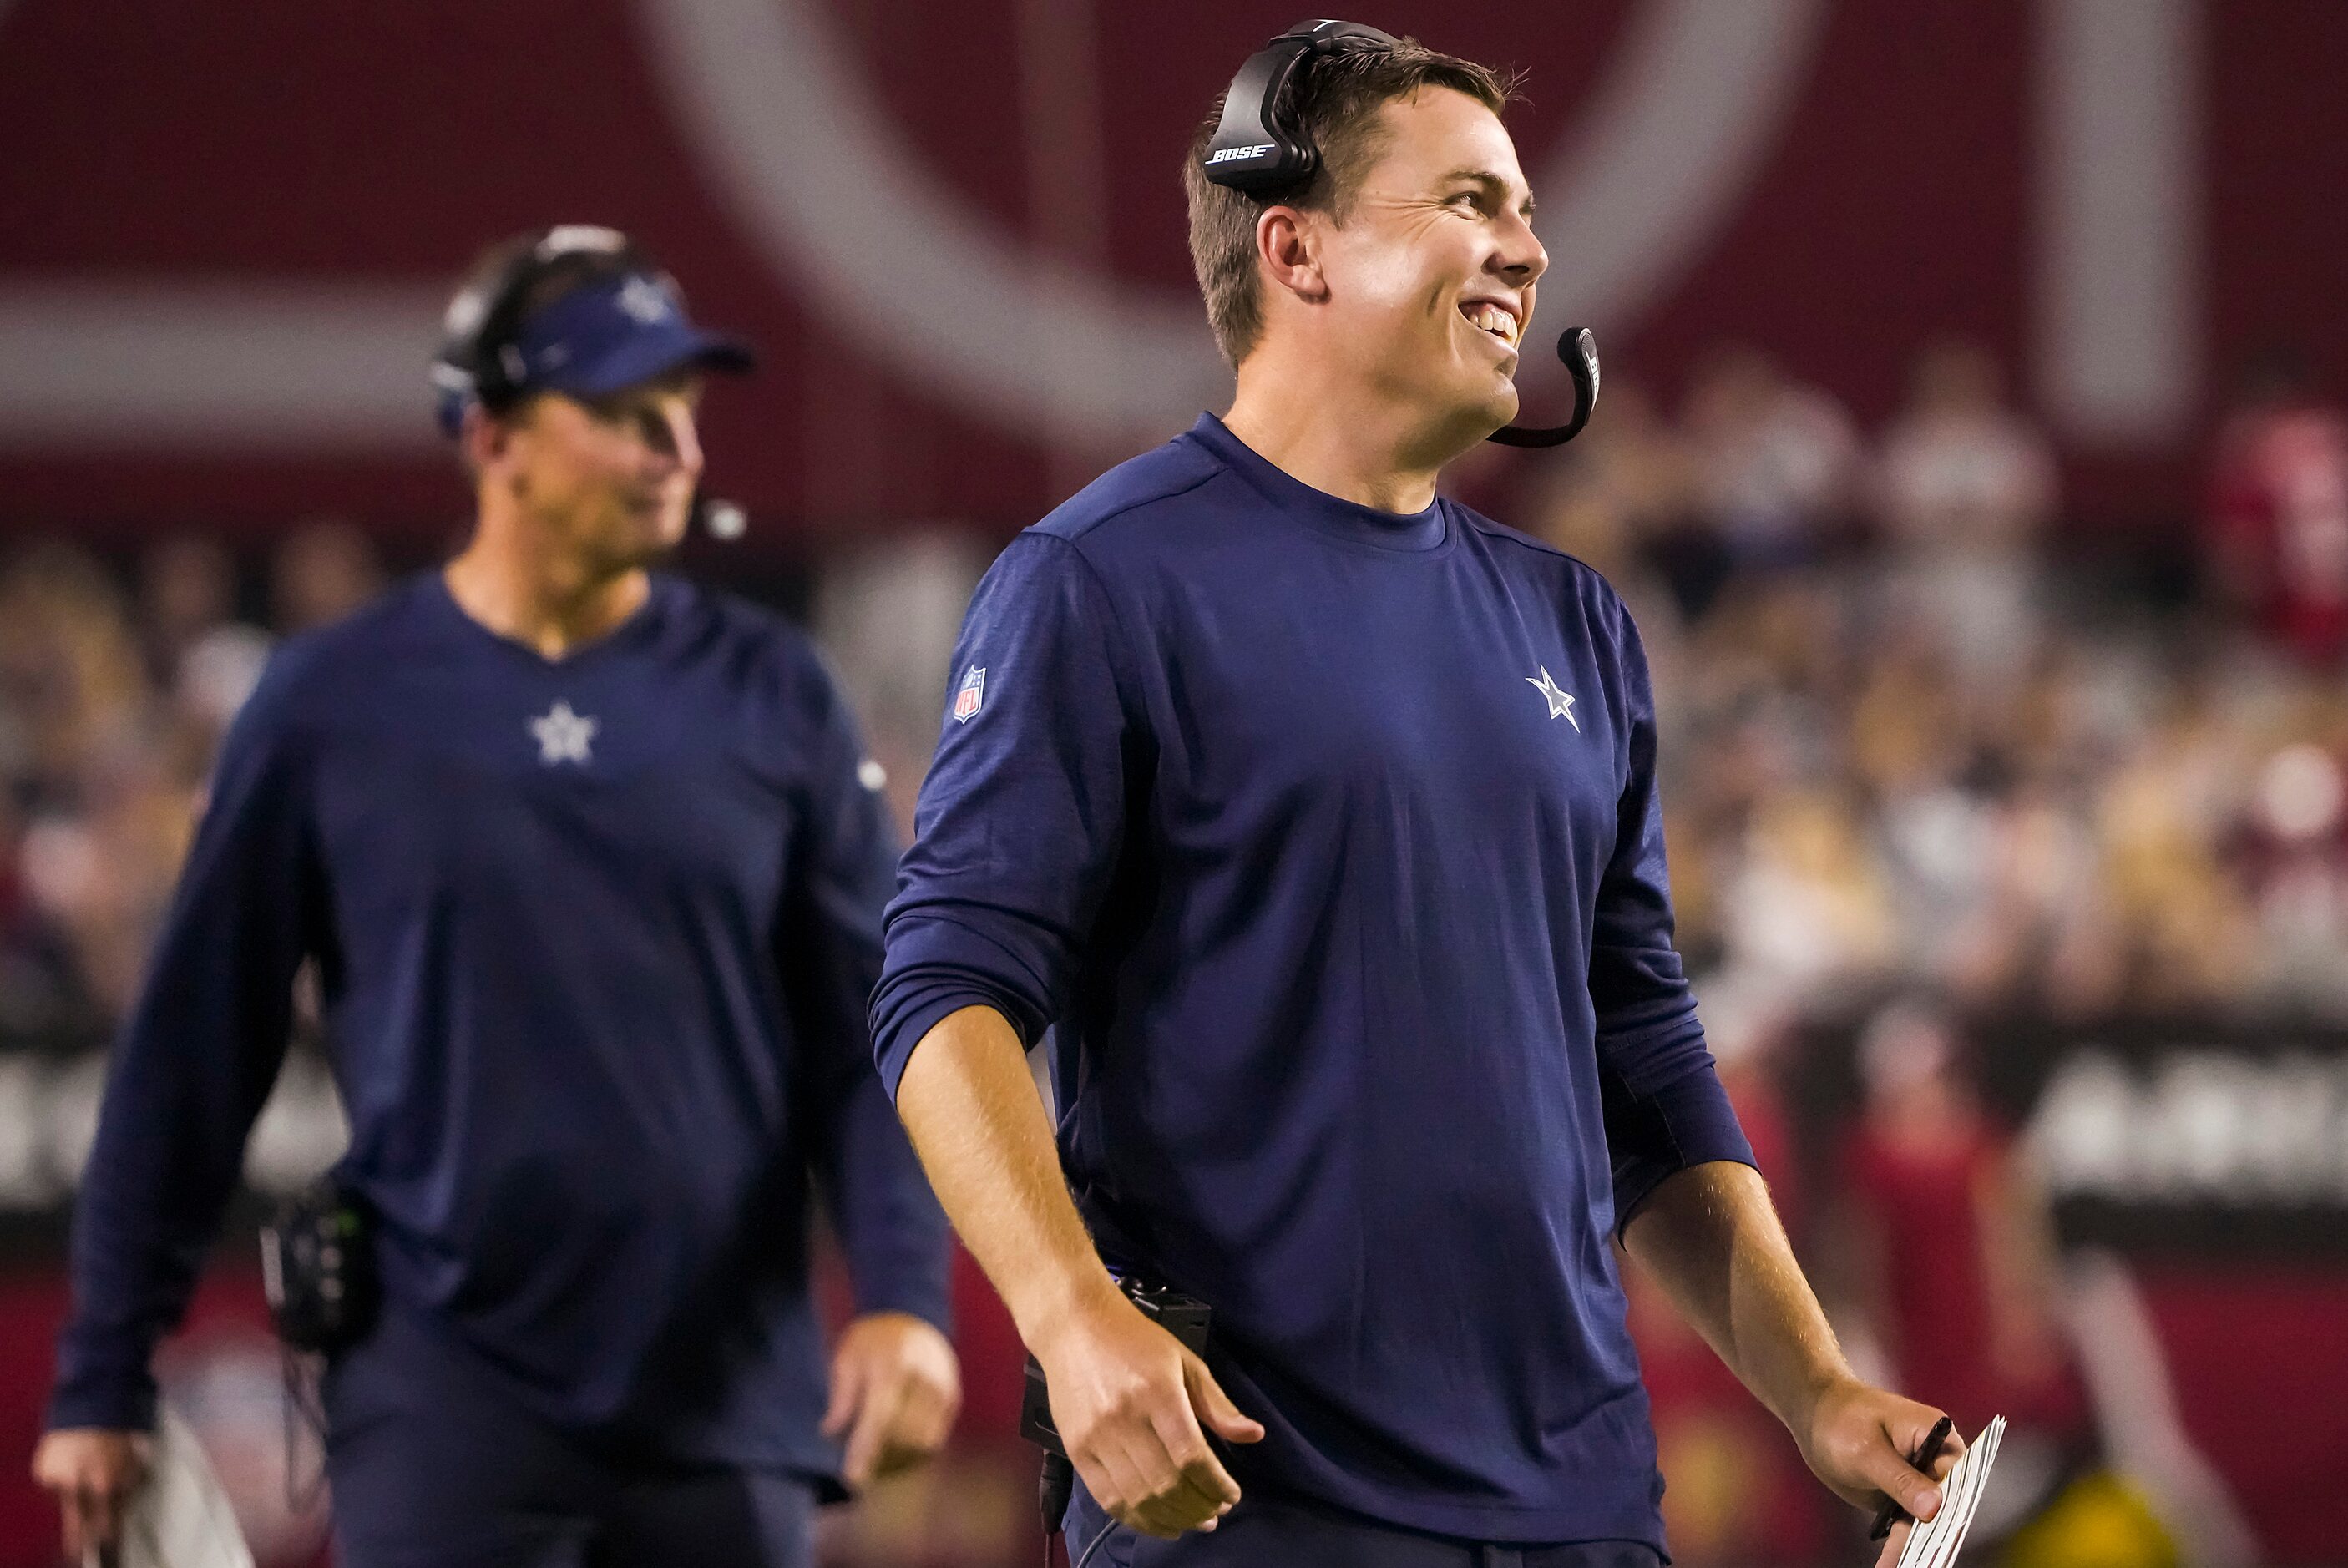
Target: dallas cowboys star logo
1560, 700
564, 736
643, 299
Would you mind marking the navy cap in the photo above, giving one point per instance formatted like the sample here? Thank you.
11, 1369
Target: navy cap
599, 338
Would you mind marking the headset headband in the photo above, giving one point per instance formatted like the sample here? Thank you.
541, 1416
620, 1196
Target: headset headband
477, 351
478, 358
1260, 143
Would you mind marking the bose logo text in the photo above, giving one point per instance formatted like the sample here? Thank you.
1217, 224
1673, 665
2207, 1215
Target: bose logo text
1231, 153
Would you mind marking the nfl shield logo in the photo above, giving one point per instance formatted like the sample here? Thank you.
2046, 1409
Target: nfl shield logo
972, 694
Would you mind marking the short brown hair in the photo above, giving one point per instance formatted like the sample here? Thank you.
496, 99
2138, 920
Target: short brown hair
1339, 95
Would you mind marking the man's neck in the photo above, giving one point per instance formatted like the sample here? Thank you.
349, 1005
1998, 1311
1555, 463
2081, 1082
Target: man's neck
543, 599
1334, 435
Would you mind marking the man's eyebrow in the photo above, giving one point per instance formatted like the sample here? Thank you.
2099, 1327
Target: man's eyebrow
1487, 178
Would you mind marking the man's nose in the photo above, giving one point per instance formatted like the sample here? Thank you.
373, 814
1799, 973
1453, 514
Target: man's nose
683, 437
1521, 254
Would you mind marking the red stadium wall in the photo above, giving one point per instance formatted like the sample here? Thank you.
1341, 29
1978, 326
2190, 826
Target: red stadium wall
1905, 179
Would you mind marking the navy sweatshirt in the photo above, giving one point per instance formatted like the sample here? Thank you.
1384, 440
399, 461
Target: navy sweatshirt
596, 937
1327, 841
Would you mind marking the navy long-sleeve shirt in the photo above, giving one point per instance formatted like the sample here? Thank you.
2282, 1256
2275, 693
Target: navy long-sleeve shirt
596, 937
1327, 841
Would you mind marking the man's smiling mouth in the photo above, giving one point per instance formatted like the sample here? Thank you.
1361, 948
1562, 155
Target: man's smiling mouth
1497, 320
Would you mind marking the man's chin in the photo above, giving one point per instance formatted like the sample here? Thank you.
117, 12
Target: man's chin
1494, 407
1504, 404
646, 543
667, 530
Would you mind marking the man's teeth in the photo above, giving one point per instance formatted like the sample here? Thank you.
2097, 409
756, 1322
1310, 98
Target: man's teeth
1491, 318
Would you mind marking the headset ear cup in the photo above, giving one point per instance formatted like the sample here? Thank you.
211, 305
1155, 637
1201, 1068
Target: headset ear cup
1256, 146
461, 372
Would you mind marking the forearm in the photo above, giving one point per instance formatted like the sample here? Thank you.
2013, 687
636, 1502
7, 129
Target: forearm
983, 1137
180, 1103
152, 1194
882, 1209
1710, 1237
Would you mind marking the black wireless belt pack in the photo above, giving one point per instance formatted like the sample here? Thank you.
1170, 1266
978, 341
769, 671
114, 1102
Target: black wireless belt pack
317, 1267
1187, 1318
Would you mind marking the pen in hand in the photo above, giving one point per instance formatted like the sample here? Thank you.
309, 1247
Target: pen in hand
1921, 1460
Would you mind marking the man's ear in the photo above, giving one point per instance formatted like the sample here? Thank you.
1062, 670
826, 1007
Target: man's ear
481, 439
1287, 245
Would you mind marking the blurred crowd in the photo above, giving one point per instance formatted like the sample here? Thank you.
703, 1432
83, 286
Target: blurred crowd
1912, 735
1923, 742
115, 688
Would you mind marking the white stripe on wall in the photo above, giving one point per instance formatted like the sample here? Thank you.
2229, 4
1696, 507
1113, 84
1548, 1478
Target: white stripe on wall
2119, 214
276, 368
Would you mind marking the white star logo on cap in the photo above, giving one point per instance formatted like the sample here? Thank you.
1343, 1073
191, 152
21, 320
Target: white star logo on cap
645, 300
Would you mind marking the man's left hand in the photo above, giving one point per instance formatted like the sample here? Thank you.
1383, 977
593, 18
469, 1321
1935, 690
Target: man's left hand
896, 1388
1859, 1441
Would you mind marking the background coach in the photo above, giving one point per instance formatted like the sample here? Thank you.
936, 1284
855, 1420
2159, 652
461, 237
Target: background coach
1318, 815
591, 864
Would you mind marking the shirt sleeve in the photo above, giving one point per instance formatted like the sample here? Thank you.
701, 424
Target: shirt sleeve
828, 957
1664, 1106
191, 1066
1023, 814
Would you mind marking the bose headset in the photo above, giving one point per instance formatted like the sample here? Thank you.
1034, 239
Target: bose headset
1260, 146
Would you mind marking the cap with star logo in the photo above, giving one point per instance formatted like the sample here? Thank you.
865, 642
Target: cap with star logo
608, 336
622, 322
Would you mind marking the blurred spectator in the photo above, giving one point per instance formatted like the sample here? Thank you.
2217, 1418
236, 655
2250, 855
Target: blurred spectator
1963, 486
101, 800
2276, 535
1811, 905
2291, 855
2179, 923
1625, 494
187, 590
888, 619
1951, 1259
70, 674
205, 659
325, 570
1776, 460
1945, 1248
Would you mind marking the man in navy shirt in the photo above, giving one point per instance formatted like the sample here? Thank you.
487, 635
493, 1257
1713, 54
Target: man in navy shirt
1316, 815
591, 864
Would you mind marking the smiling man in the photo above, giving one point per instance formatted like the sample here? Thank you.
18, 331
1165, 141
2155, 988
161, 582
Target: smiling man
590, 864
1316, 816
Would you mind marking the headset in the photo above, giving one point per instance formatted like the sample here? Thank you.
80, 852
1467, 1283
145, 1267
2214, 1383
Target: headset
479, 360
1260, 146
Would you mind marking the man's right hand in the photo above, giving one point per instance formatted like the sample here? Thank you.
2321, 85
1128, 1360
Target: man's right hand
92, 1472
1130, 1401
1126, 1397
